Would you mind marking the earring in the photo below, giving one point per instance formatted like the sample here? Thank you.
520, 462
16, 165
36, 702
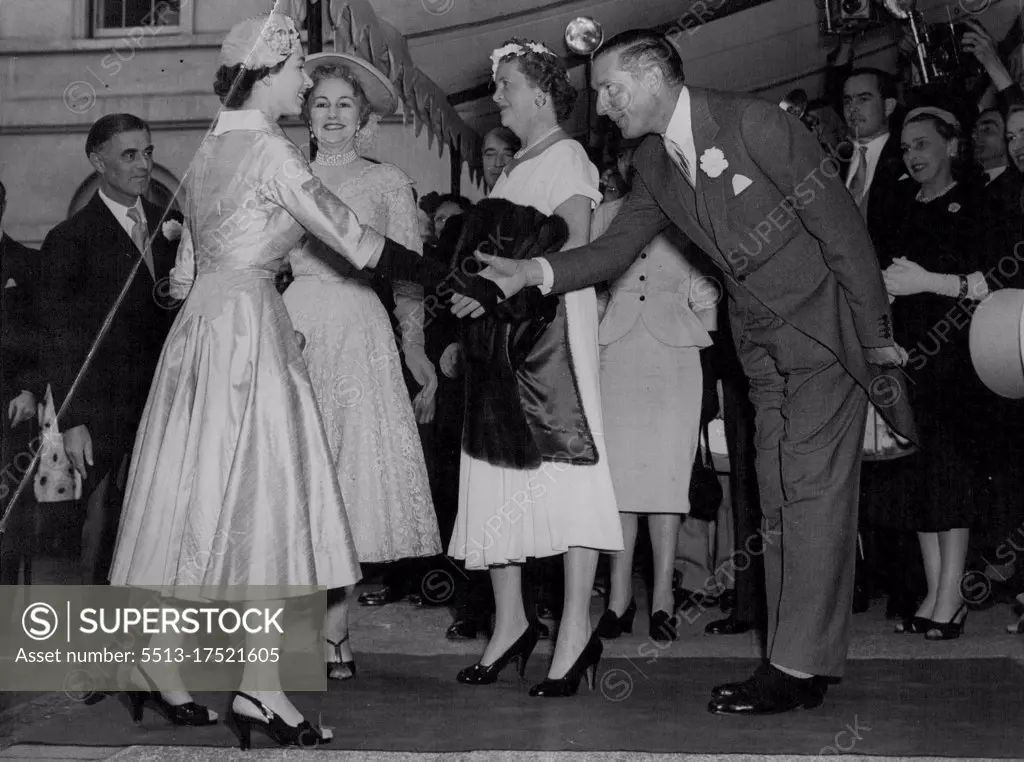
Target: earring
366, 135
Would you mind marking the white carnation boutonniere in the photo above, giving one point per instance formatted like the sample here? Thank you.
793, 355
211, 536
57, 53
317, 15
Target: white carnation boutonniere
171, 230
954, 207
713, 162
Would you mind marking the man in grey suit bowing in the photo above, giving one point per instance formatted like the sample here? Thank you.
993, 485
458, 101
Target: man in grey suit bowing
810, 317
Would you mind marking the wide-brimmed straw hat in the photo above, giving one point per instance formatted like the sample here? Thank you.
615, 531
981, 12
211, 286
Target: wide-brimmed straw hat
381, 95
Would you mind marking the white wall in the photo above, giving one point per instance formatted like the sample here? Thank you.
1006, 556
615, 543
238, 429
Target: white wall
55, 82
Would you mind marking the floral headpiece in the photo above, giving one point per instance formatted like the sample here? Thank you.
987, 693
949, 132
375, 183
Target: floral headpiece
516, 49
260, 41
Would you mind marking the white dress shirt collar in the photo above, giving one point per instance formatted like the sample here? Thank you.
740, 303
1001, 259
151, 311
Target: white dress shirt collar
120, 211
680, 131
994, 173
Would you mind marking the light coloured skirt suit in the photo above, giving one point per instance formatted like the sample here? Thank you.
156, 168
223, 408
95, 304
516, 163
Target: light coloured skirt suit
651, 381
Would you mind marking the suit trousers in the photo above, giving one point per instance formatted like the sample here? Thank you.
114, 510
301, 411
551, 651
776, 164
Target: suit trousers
102, 518
748, 561
810, 416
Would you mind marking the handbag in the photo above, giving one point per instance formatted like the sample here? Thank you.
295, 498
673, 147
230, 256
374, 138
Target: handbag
56, 481
881, 442
705, 489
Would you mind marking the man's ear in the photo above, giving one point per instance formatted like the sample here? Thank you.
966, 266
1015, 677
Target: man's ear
652, 78
97, 163
890, 106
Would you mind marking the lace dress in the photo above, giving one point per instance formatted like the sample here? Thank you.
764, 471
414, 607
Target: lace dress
356, 371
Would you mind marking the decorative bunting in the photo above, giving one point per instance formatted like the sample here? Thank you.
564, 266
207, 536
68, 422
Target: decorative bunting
358, 30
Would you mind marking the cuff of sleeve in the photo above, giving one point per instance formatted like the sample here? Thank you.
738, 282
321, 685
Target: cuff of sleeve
549, 275
370, 247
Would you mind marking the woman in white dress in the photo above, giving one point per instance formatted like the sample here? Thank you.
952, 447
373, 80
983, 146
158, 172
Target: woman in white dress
350, 347
506, 515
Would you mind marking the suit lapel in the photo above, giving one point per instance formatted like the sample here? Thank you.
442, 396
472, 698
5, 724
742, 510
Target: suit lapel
711, 200
162, 250
671, 192
106, 229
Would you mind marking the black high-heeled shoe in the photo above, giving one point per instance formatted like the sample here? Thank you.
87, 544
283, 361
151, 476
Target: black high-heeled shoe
950, 630
304, 735
481, 674
339, 668
190, 714
914, 625
611, 626
663, 627
585, 665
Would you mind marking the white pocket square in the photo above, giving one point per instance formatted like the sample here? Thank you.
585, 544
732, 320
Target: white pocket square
740, 184
10, 283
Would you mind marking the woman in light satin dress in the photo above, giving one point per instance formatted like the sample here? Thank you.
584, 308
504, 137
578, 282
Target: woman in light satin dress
350, 348
232, 492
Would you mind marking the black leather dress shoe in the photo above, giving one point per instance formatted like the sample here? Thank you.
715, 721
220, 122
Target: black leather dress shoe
381, 597
728, 626
771, 692
725, 690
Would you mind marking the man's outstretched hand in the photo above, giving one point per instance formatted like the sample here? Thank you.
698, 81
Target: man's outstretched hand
510, 275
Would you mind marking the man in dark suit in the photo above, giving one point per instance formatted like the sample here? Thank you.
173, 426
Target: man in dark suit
873, 175
19, 356
809, 314
85, 262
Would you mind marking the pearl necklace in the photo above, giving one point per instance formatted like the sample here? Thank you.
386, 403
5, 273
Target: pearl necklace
920, 194
336, 159
522, 152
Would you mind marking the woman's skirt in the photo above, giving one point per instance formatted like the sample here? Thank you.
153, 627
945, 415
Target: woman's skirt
507, 515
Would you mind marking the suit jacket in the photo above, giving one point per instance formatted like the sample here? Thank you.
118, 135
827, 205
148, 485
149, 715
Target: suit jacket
885, 188
792, 238
19, 353
86, 260
1004, 196
658, 290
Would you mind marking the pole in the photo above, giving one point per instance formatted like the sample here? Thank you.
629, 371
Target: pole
314, 26
455, 157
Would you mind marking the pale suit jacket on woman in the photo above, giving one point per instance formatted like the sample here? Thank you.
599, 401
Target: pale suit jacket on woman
661, 288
